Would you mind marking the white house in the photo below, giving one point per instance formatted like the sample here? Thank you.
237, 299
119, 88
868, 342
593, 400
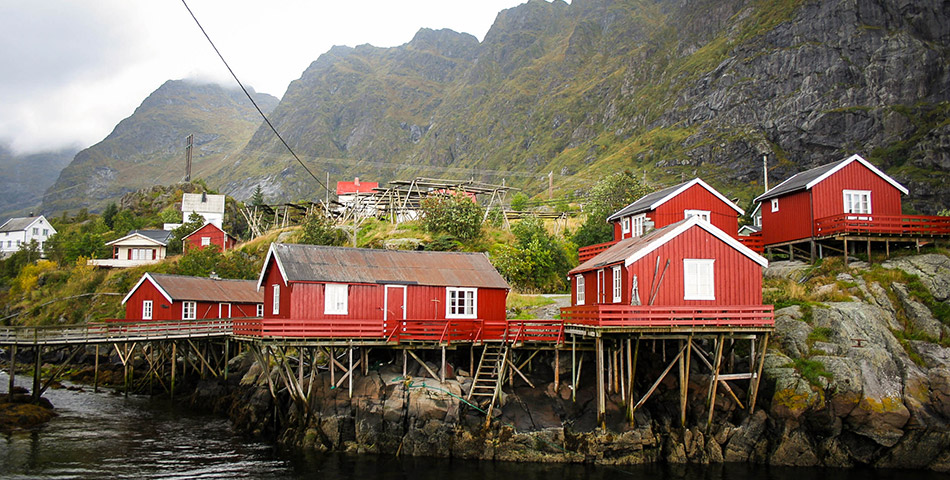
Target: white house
140, 247
211, 207
17, 231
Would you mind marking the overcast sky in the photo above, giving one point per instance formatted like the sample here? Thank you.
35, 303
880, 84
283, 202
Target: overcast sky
71, 70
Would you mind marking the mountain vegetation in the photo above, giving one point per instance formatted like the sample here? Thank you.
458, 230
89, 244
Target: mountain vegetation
25, 178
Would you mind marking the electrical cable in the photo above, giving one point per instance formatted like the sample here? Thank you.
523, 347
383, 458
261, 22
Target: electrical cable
236, 79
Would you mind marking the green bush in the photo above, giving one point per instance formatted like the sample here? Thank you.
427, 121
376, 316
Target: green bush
537, 261
454, 214
606, 197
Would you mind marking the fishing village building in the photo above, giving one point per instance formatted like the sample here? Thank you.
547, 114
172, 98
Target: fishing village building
208, 234
22, 230
159, 296
141, 247
850, 200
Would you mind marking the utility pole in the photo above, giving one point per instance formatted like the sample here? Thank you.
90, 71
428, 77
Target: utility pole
189, 145
550, 185
765, 171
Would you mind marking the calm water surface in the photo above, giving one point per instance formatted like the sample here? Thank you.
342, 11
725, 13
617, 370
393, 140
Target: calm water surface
101, 435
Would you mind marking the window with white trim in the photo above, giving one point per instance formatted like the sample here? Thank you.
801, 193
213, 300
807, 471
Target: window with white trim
580, 289
698, 280
205, 241
188, 310
626, 224
260, 309
857, 201
275, 306
617, 284
147, 310
703, 214
638, 224
336, 299
461, 302
774, 204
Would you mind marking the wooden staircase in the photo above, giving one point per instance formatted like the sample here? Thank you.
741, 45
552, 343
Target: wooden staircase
489, 376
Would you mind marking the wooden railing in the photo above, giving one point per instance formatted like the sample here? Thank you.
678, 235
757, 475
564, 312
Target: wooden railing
654, 316
115, 331
439, 331
535, 330
754, 241
882, 225
586, 253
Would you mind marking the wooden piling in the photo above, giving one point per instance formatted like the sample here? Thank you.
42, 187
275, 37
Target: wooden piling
12, 372
599, 367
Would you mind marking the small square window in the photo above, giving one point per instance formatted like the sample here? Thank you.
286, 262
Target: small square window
336, 301
461, 303
774, 204
698, 279
205, 241
260, 309
188, 310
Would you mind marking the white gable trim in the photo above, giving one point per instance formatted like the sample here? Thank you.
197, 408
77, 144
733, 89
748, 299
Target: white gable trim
203, 226
700, 182
686, 225
271, 253
153, 282
148, 241
871, 167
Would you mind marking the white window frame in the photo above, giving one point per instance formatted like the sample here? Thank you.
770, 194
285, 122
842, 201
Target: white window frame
147, 310
637, 224
854, 198
618, 284
699, 281
336, 299
774, 204
275, 304
703, 214
260, 309
626, 224
189, 310
468, 308
205, 241
580, 289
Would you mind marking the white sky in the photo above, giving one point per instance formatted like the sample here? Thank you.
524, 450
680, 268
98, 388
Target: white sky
70, 70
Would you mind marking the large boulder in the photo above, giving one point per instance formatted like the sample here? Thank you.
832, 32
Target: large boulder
932, 269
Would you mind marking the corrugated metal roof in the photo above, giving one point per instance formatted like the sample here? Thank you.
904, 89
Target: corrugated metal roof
204, 289
318, 263
201, 202
623, 249
798, 181
17, 224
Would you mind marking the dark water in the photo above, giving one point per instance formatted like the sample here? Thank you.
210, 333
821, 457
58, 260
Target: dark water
108, 436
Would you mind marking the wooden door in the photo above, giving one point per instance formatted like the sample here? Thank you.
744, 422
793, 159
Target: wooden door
395, 310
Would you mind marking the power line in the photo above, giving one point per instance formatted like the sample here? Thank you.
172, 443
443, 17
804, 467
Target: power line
249, 97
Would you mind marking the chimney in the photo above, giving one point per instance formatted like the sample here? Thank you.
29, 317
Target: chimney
214, 276
356, 182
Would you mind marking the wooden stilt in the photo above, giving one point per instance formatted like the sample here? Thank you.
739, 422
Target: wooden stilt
685, 380
715, 382
791, 253
95, 372
405, 363
845, 251
887, 249
12, 372
573, 370
350, 373
331, 361
633, 375
754, 391
610, 372
471, 361
682, 384
36, 373
226, 358
174, 362
557, 368
442, 370
811, 255
599, 367
658, 381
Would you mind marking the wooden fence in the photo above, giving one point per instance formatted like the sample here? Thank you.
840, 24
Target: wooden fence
912, 225
654, 316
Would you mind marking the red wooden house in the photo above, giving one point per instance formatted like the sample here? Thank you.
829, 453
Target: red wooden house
850, 197
208, 234
690, 272
158, 296
322, 291
667, 206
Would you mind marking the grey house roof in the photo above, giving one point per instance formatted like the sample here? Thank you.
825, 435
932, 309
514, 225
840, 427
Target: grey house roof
318, 263
809, 178
653, 200
17, 224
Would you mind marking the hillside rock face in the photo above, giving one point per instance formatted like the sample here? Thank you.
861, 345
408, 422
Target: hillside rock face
26, 177
673, 88
841, 388
148, 148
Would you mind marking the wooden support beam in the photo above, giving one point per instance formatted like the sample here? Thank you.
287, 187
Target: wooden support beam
56, 373
557, 368
516, 370
174, 365
754, 390
715, 382
420, 362
12, 372
633, 376
722, 378
599, 367
658, 380
573, 370
203, 361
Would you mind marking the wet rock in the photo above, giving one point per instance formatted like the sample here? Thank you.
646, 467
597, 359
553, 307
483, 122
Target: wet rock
15, 416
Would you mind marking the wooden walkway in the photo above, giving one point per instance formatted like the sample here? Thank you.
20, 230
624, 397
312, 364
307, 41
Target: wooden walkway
115, 332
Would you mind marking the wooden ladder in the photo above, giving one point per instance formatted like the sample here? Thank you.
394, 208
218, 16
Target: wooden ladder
489, 376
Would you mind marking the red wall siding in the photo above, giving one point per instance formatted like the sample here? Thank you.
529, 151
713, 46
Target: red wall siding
272, 277
697, 198
218, 237
792, 220
491, 306
829, 198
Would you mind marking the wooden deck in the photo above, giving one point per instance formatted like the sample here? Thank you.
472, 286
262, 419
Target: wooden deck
883, 225
115, 332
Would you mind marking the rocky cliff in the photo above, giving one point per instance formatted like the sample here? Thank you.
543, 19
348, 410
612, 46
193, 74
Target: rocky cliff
864, 382
667, 87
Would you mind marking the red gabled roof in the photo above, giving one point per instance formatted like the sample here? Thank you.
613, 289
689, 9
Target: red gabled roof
202, 289
215, 227
630, 250
356, 186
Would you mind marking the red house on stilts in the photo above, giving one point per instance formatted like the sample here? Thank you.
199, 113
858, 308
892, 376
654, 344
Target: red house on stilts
389, 295
825, 207
686, 273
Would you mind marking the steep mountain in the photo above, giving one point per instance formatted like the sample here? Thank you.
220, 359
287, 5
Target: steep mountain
148, 147
25, 177
668, 88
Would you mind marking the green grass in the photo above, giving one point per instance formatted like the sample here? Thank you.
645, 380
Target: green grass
811, 370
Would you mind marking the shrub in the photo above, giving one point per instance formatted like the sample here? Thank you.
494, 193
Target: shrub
455, 214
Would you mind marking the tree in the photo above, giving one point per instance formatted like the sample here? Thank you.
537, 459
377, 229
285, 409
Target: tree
125, 221
606, 197
318, 229
257, 198
108, 215
195, 221
519, 202
455, 214
537, 261
200, 262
